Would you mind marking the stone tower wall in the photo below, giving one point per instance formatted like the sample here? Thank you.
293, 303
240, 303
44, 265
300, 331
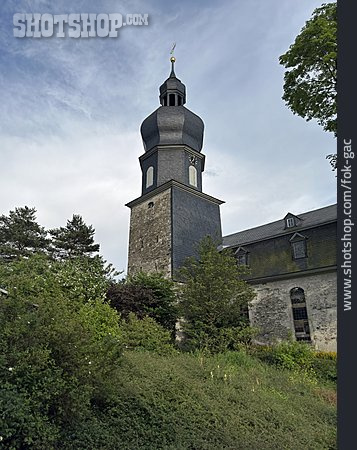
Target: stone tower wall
150, 235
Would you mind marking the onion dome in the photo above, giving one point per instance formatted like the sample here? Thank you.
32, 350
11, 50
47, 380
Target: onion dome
172, 123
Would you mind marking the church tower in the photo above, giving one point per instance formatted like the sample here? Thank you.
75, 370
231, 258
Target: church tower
172, 214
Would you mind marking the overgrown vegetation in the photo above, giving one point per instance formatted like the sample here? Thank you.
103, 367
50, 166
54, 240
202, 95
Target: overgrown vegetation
231, 400
60, 352
214, 300
149, 295
87, 362
300, 358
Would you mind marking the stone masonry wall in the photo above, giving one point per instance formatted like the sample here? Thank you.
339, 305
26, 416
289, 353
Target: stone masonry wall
150, 235
271, 310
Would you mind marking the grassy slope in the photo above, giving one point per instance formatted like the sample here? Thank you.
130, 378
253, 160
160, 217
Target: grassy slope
228, 401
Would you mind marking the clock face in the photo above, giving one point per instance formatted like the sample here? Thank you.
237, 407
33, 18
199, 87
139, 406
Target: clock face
193, 160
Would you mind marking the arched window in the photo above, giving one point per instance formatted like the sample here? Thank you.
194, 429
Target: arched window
192, 176
150, 177
301, 320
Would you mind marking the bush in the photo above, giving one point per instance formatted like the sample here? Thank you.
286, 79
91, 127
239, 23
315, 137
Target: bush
144, 295
325, 366
59, 357
216, 340
332, 356
299, 356
289, 355
202, 402
66, 383
145, 334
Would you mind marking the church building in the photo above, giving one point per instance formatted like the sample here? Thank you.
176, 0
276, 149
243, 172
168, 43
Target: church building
292, 261
293, 269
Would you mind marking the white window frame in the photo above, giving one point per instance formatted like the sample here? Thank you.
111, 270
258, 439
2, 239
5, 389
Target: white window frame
192, 176
290, 222
149, 177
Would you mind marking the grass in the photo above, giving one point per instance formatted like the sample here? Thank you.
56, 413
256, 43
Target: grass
226, 401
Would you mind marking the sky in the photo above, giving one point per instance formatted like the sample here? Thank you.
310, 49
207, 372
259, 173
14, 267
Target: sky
71, 110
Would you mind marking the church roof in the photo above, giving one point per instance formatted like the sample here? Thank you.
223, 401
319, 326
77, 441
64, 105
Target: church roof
308, 219
173, 85
172, 123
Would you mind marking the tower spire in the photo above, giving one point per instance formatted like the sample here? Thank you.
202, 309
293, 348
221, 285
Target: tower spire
172, 91
173, 60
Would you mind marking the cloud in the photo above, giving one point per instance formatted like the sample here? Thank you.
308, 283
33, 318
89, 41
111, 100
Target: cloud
71, 112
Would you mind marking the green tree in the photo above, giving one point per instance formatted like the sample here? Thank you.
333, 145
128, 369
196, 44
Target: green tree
21, 235
311, 78
75, 239
89, 278
59, 356
214, 298
164, 307
143, 294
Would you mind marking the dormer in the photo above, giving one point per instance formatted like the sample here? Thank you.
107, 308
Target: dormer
291, 221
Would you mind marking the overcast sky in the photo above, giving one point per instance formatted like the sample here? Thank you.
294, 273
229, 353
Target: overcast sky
71, 111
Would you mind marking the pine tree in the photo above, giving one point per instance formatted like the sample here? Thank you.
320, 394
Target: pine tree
75, 239
21, 235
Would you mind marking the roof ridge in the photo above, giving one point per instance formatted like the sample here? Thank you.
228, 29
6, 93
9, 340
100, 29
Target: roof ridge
318, 209
279, 220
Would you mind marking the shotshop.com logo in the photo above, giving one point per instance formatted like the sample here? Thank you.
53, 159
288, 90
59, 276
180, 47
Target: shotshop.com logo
74, 25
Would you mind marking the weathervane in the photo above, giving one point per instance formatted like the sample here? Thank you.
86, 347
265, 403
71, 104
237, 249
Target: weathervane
173, 59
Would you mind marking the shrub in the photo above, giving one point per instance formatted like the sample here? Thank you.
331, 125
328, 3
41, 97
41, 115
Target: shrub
65, 382
288, 355
58, 357
325, 366
145, 334
144, 295
299, 356
216, 340
186, 401
332, 356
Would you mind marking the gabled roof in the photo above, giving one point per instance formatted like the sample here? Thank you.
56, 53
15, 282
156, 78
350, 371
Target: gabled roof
289, 214
309, 219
